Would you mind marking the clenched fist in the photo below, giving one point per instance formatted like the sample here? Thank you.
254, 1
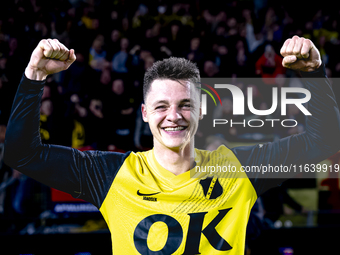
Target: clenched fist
49, 57
300, 54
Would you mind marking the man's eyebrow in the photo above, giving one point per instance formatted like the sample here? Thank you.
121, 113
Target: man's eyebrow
160, 102
185, 100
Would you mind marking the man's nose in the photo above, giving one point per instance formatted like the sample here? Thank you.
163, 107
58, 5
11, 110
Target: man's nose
174, 114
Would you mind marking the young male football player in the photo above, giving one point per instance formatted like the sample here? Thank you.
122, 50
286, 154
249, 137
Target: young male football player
148, 199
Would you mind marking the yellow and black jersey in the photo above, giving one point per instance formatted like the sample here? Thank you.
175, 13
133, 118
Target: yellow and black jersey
151, 210
148, 209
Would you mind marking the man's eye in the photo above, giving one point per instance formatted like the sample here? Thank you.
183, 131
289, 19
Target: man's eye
160, 107
186, 105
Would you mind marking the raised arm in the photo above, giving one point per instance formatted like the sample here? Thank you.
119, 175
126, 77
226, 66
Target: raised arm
321, 138
87, 175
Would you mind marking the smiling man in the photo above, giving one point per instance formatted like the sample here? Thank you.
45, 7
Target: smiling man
150, 200
172, 109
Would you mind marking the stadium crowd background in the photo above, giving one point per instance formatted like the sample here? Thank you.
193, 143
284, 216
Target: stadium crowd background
96, 103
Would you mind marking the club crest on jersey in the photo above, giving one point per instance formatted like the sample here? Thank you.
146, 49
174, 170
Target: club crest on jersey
212, 188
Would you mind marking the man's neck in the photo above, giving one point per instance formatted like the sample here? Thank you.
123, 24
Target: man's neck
176, 161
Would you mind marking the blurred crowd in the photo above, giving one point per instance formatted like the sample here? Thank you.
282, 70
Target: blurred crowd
96, 103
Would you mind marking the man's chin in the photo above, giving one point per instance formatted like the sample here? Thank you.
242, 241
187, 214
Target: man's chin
178, 146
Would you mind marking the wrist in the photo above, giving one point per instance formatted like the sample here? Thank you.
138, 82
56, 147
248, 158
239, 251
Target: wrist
316, 73
34, 74
318, 65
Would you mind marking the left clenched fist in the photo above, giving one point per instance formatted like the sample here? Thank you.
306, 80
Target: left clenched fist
300, 54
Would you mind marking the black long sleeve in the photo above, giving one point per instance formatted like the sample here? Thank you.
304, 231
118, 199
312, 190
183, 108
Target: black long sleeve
87, 175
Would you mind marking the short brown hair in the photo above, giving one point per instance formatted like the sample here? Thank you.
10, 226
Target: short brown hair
173, 69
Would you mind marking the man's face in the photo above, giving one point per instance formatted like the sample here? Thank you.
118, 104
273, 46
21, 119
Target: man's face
172, 110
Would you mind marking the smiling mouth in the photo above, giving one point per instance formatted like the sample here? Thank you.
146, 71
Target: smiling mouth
174, 128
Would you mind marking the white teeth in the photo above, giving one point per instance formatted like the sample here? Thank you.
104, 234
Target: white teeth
174, 129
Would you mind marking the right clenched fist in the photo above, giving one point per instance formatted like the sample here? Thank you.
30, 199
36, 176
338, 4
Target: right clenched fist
49, 57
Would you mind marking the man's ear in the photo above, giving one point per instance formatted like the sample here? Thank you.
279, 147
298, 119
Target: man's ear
144, 113
201, 114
